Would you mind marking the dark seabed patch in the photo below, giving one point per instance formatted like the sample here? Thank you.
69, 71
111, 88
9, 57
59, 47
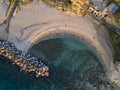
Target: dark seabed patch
73, 66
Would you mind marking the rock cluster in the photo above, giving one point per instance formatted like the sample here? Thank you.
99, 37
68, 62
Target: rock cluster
25, 61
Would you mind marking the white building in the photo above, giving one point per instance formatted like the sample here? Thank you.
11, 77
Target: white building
97, 13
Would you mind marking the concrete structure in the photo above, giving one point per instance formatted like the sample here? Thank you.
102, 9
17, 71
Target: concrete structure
79, 5
97, 13
113, 7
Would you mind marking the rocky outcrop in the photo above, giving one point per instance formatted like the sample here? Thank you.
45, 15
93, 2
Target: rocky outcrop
25, 61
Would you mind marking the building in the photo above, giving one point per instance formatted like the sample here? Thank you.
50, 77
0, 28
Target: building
97, 13
113, 7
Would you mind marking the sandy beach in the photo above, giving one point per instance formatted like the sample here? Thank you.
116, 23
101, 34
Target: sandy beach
38, 21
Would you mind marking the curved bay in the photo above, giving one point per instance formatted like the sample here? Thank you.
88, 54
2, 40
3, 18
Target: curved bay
73, 66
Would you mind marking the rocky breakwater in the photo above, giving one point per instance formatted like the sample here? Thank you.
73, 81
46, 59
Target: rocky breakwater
25, 61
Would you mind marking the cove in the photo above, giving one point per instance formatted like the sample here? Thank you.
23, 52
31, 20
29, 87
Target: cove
73, 66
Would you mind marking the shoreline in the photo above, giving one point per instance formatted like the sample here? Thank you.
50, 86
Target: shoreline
53, 21
111, 69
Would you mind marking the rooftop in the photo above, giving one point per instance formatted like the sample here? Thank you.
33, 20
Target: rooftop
113, 7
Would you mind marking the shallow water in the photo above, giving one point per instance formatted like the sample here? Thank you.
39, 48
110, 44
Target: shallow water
73, 66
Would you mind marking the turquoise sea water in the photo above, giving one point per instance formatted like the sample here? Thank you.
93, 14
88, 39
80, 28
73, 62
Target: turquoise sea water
73, 66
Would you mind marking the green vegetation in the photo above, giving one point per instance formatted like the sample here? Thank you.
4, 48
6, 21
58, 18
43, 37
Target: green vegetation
63, 3
21, 2
114, 37
115, 40
67, 2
